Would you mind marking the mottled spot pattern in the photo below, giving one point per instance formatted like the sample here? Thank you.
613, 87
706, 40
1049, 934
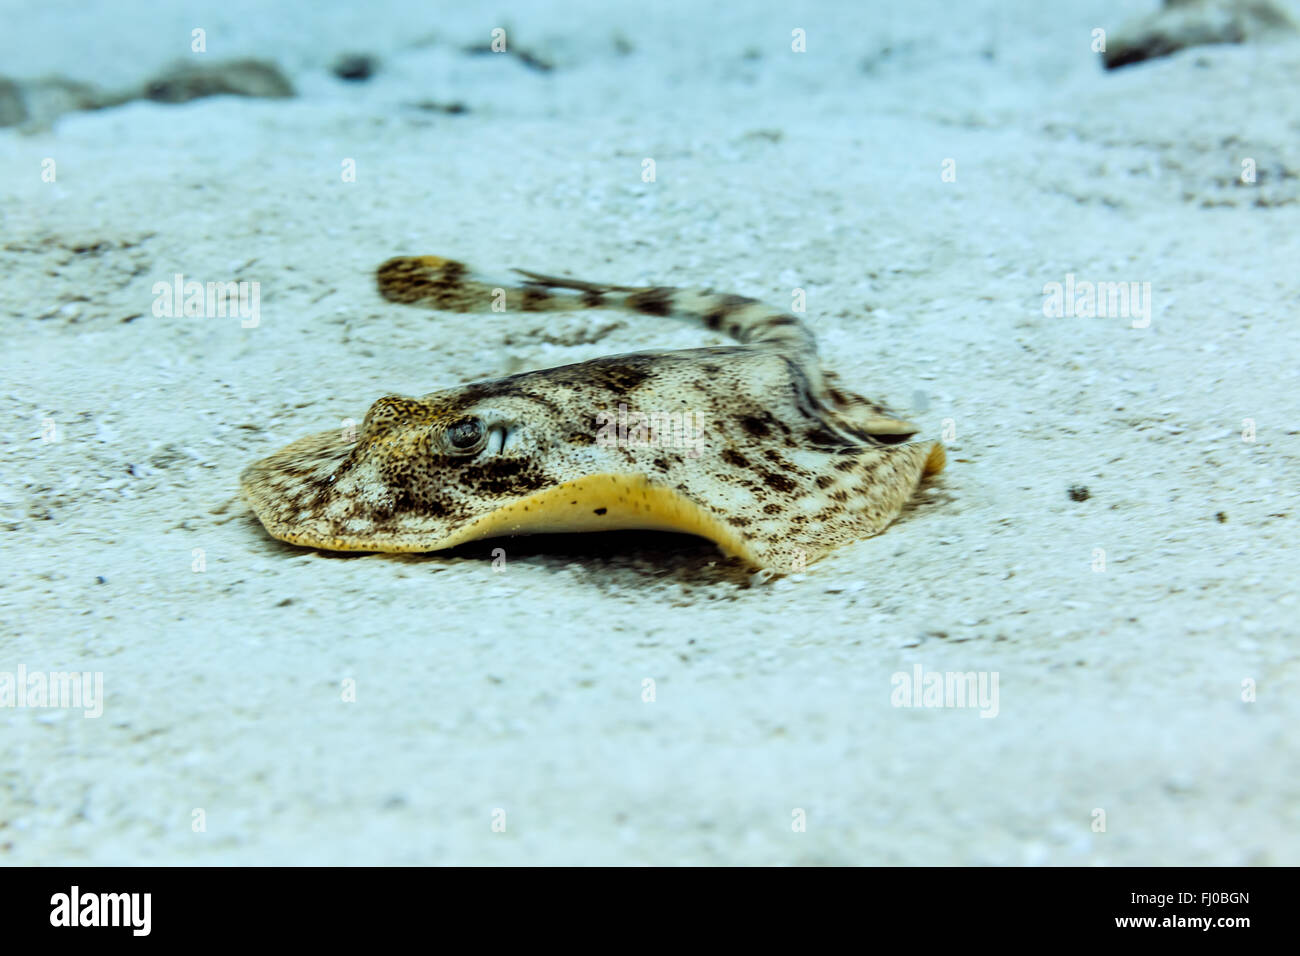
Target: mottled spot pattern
782, 464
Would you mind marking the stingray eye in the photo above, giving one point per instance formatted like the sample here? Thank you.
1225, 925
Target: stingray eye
466, 434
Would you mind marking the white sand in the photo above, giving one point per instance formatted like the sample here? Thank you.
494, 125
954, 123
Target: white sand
522, 690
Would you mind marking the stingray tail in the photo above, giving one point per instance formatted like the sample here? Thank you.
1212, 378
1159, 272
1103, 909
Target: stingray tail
746, 320
450, 285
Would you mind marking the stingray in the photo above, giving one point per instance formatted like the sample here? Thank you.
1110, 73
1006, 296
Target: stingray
753, 446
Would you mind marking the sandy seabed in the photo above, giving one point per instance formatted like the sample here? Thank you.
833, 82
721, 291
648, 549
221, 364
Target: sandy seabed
269, 704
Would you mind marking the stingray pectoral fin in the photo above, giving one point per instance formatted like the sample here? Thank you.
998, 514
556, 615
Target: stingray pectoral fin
603, 502
855, 496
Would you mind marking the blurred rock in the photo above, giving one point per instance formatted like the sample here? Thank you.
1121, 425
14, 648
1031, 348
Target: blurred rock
1186, 23
35, 104
12, 109
188, 81
355, 67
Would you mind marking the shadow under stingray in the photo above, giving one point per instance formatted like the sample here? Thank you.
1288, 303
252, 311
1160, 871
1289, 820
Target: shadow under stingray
666, 556
681, 558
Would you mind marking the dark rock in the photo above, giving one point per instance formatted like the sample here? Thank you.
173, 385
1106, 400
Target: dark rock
433, 106
355, 67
